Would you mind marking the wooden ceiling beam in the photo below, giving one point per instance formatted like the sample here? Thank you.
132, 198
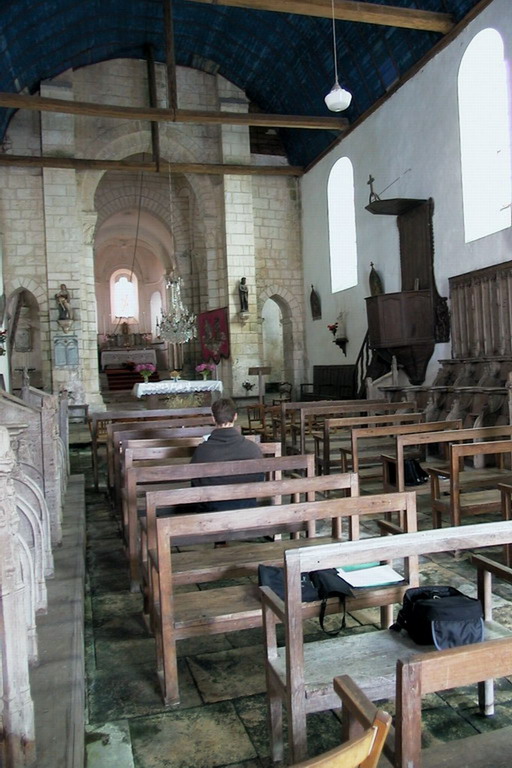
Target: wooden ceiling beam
215, 169
350, 10
44, 104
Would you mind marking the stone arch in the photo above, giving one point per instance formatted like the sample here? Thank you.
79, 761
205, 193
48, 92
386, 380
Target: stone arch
33, 495
30, 530
293, 329
26, 578
24, 313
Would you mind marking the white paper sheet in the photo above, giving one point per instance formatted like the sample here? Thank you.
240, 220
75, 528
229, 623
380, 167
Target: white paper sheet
371, 577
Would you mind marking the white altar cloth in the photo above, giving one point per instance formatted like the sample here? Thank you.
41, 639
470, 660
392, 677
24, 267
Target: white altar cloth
169, 387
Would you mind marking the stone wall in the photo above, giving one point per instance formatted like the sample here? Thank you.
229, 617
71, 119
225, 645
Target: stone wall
221, 228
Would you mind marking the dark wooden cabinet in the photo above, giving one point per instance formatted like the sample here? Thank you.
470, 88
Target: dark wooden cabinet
400, 319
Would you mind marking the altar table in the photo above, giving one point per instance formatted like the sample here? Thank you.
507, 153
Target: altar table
180, 387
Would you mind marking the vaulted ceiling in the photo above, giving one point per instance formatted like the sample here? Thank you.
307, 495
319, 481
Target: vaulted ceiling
282, 58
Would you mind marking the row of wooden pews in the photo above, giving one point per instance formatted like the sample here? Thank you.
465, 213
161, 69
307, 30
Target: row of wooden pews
168, 551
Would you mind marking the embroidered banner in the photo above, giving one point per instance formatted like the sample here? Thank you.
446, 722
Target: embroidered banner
214, 334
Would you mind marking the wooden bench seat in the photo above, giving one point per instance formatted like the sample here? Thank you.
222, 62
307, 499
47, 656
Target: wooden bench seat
171, 625
297, 674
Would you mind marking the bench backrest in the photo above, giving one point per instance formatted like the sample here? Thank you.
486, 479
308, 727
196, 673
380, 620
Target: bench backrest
398, 429
439, 671
251, 522
101, 419
361, 407
119, 438
306, 488
446, 436
290, 410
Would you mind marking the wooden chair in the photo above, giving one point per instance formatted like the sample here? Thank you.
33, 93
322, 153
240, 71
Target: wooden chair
362, 750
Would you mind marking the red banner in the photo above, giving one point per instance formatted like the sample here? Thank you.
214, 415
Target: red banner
214, 334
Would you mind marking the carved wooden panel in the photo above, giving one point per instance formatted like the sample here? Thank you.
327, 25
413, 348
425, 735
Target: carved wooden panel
482, 312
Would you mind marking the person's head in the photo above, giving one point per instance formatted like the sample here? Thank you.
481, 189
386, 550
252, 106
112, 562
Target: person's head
224, 412
243, 280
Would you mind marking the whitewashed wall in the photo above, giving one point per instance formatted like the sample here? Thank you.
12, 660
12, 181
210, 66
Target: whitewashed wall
412, 138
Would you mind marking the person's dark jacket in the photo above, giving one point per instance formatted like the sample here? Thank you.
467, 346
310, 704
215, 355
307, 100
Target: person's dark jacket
226, 444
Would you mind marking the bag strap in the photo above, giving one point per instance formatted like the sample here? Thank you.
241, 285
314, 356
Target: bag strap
323, 608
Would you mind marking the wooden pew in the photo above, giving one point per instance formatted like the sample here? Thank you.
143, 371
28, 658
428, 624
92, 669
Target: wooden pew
99, 421
300, 675
443, 438
377, 434
178, 616
485, 499
340, 430
118, 432
311, 416
121, 436
289, 411
429, 673
146, 477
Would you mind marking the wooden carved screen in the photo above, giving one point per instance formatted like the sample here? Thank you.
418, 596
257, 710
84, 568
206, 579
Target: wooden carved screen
481, 304
416, 234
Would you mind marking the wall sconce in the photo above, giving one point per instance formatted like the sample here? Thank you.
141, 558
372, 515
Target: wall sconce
339, 331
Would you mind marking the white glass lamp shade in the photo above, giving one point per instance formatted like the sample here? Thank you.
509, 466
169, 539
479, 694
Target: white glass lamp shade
338, 98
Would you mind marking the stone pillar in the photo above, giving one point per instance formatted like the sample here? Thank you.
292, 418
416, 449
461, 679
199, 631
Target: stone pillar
17, 707
240, 246
69, 259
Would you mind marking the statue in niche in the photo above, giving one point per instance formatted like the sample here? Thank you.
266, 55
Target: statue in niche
63, 303
243, 292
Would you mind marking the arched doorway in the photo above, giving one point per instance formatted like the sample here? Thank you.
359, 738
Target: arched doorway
272, 340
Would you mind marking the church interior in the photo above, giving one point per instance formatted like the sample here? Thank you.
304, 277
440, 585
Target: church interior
303, 206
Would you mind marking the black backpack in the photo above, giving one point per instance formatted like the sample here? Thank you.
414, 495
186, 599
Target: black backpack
440, 616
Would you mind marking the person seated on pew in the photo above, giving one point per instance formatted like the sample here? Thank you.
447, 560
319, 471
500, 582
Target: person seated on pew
226, 443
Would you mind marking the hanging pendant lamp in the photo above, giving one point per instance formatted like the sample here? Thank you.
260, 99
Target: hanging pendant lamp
338, 98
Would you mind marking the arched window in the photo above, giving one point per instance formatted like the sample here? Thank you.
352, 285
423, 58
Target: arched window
124, 296
155, 308
342, 225
484, 136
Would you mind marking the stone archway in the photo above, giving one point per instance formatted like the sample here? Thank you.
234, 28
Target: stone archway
292, 331
24, 334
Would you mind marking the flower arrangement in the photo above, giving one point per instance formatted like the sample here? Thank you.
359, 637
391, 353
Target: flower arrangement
145, 370
333, 327
247, 386
205, 369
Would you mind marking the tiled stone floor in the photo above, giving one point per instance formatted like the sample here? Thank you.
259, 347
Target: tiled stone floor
221, 720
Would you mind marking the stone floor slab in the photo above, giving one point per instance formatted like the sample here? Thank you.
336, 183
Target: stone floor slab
206, 737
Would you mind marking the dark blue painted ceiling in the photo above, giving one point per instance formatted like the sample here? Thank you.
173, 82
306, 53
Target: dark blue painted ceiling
282, 61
